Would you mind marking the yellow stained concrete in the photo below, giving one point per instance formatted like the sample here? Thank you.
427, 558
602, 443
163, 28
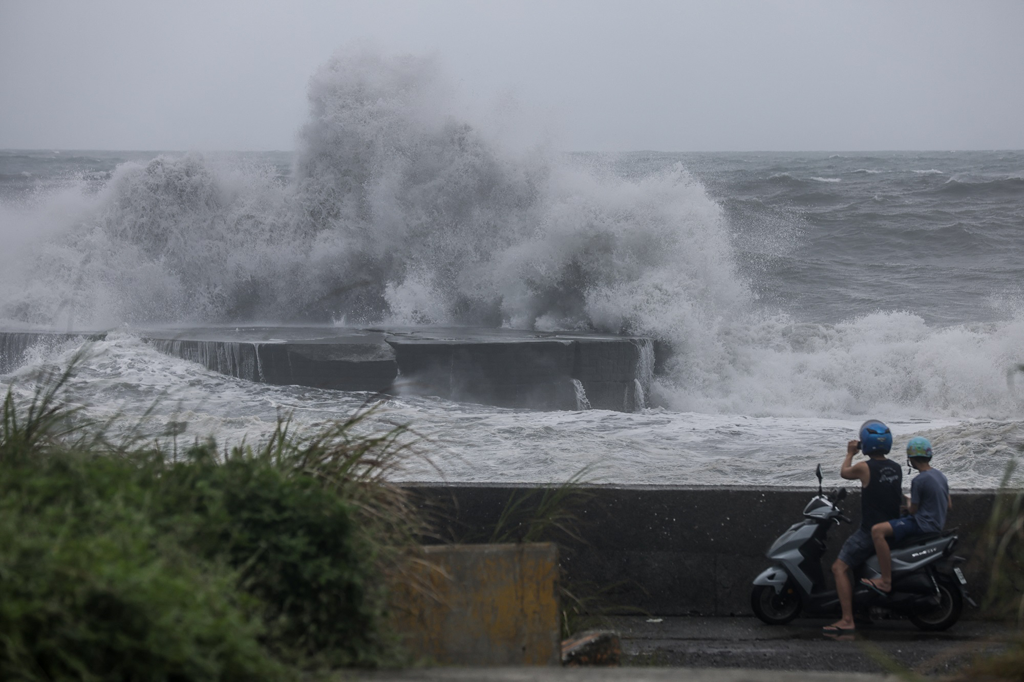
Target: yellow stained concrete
482, 605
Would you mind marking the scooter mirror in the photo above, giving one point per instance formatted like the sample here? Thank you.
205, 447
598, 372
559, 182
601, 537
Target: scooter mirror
817, 472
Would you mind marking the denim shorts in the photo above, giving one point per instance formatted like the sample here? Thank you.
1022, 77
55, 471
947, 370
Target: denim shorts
903, 528
857, 549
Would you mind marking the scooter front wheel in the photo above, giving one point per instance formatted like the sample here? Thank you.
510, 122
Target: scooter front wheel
775, 608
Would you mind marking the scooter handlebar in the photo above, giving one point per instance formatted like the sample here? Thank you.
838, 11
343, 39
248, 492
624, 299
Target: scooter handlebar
844, 517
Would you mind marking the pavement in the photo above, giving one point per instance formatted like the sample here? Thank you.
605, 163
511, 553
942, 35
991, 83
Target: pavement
877, 647
614, 675
746, 650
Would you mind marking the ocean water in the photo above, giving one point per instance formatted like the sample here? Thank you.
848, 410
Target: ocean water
802, 293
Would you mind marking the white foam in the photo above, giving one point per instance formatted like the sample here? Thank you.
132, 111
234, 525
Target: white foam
478, 443
827, 179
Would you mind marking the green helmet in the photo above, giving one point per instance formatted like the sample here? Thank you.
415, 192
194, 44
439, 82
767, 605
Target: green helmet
919, 447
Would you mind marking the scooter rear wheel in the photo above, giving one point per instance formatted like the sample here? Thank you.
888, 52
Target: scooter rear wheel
772, 608
943, 615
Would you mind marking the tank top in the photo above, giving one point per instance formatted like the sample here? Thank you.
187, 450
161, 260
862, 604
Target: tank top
880, 500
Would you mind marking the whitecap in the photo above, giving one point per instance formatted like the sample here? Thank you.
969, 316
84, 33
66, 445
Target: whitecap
826, 179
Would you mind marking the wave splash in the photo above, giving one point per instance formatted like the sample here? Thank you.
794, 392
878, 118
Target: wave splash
399, 211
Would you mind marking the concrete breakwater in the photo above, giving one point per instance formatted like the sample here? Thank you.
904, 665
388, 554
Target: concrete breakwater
502, 367
680, 551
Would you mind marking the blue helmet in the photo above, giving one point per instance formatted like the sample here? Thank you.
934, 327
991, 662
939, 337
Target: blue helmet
875, 438
919, 447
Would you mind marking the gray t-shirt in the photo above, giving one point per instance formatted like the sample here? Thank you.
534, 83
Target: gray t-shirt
930, 492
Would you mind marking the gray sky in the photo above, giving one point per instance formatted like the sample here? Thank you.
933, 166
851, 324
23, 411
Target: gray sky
704, 75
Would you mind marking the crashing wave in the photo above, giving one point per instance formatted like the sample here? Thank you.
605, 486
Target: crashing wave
401, 211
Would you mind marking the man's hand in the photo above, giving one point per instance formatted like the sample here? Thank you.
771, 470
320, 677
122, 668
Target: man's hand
851, 471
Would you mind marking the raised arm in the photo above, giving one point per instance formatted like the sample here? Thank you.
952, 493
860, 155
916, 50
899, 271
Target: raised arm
851, 471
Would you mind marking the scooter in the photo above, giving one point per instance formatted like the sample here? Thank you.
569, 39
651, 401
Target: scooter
928, 586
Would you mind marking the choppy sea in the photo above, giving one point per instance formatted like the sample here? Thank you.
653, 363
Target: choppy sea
802, 293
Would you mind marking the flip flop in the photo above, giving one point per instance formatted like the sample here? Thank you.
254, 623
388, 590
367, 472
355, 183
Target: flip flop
836, 630
876, 589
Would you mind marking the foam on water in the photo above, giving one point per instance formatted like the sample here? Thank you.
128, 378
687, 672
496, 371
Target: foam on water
125, 376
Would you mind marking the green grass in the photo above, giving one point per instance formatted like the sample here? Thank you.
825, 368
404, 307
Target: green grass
126, 561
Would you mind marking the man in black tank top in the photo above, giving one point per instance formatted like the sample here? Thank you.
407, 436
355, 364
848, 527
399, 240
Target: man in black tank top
881, 483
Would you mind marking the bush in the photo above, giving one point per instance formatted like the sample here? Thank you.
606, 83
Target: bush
295, 544
126, 562
90, 590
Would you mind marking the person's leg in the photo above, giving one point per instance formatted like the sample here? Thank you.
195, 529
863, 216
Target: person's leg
854, 552
879, 532
844, 590
900, 529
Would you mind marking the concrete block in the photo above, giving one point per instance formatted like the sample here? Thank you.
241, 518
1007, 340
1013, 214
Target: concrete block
502, 367
348, 367
482, 605
347, 360
14, 344
524, 373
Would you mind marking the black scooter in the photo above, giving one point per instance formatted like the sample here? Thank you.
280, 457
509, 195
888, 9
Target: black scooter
928, 586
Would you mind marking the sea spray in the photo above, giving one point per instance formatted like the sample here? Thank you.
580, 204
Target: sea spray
401, 210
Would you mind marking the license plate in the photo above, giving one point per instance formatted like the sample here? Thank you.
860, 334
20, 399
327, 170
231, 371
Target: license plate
960, 575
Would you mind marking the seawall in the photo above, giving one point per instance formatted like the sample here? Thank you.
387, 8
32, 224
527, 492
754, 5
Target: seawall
679, 551
502, 367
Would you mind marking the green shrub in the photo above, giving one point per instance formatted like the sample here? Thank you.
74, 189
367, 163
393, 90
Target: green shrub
90, 590
295, 544
126, 562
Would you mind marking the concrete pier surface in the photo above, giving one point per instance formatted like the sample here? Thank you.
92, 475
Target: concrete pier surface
501, 367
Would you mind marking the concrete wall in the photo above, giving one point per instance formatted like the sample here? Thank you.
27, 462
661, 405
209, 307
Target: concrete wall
675, 551
502, 367
13, 345
482, 605
507, 374
345, 366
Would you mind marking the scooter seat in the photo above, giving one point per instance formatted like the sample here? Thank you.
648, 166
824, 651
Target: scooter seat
918, 539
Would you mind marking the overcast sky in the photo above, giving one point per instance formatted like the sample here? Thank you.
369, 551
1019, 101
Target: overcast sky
606, 76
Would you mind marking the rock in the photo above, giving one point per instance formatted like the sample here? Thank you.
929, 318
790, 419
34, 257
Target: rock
592, 647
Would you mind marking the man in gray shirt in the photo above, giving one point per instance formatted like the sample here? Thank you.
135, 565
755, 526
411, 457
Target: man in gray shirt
929, 503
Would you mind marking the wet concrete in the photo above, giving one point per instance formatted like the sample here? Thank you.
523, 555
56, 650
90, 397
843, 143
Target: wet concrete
632, 674
647, 674
501, 367
876, 647
746, 650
